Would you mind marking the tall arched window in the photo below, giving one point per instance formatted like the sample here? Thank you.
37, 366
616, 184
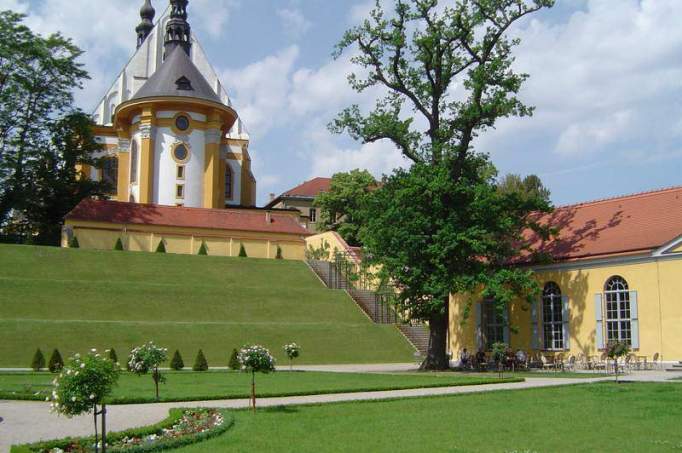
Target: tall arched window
228, 182
133, 162
552, 317
618, 320
110, 172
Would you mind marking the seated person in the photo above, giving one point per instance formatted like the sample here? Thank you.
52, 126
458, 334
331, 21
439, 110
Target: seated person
481, 359
465, 359
521, 357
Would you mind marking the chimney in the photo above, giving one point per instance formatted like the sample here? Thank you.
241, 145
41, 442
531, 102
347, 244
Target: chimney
272, 196
268, 217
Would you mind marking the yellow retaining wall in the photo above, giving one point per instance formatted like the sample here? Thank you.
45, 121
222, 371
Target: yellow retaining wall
659, 292
146, 238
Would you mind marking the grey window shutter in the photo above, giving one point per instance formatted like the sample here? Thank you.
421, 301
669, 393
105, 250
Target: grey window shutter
634, 320
535, 326
505, 332
565, 319
598, 311
479, 325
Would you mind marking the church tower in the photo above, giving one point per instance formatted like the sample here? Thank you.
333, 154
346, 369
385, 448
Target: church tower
170, 132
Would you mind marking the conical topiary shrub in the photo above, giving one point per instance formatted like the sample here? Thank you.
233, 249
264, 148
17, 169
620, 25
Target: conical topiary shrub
161, 248
56, 362
112, 355
200, 363
38, 362
234, 361
203, 250
279, 253
176, 362
242, 251
73, 243
119, 245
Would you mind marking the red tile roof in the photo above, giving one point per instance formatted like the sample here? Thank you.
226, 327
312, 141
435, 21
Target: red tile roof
220, 219
310, 188
630, 224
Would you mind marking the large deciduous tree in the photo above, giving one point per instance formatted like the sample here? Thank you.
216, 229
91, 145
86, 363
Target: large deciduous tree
442, 226
342, 206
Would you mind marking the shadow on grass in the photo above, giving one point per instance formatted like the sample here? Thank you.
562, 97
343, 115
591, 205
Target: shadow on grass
279, 410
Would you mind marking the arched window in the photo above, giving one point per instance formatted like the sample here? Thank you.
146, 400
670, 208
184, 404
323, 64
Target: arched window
618, 320
133, 162
228, 182
552, 317
110, 172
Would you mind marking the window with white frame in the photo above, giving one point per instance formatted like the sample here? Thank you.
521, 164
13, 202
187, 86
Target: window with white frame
313, 215
552, 317
617, 310
494, 324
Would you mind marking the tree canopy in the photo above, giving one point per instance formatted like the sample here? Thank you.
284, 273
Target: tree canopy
530, 186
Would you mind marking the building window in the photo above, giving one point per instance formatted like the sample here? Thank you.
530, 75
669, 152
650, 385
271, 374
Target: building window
182, 123
618, 321
180, 191
180, 153
552, 317
313, 215
110, 172
133, 162
228, 182
181, 172
494, 323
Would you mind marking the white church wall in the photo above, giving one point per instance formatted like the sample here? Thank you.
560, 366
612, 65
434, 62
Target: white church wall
236, 168
165, 168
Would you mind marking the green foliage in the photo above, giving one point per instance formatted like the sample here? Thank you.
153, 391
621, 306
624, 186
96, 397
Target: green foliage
279, 255
112, 355
146, 358
256, 359
319, 253
119, 245
56, 362
38, 361
73, 243
177, 363
529, 187
83, 383
39, 76
452, 67
341, 208
234, 361
200, 362
203, 250
242, 251
161, 248
615, 350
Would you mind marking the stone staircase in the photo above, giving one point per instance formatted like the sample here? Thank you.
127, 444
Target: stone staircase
675, 368
370, 303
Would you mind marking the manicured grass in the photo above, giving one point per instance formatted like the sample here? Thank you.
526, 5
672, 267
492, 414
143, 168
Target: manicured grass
189, 386
75, 300
584, 418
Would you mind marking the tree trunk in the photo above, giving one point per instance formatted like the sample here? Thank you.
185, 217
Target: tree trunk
95, 413
253, 391
104, 428
156, 377
437, 358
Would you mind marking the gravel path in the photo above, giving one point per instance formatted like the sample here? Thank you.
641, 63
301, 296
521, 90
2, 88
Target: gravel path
27, 421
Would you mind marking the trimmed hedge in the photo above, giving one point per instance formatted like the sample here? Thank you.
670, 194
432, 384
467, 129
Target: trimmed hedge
174, 416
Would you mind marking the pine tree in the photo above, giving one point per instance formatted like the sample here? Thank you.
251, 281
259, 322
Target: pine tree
234, 361
203, 250
242, 251
176, 362
38, 362
112, 355
200, 363
73, 243
161, 247
119, 245
56, 362
279, 253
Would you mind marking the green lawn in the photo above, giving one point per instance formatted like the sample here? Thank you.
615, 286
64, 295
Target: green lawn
585, 418
189, 386
75, 300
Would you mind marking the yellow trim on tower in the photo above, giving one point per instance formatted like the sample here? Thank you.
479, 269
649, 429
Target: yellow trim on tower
212, 162
147, 158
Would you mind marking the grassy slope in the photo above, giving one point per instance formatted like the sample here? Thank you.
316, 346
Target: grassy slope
189, 386
76, 299
588, 418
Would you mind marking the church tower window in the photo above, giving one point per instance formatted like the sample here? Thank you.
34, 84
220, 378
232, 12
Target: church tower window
110, 172
182, 123
228, 182
181, 153
133, 162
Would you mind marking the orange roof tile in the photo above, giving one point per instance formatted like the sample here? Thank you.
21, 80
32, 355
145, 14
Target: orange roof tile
310, 188
624, 225
221, 219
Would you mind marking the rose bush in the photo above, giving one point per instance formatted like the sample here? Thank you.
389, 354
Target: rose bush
146, 358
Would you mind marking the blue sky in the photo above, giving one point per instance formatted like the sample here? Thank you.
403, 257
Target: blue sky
606, 78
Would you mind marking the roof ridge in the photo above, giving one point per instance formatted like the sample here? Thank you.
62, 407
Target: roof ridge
234, 210
621, 197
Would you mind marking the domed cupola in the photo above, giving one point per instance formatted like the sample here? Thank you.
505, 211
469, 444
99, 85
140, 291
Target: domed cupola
146, 26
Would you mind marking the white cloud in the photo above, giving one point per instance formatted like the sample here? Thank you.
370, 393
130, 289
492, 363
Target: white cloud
378, 158
260, 90
585, 136
294, 22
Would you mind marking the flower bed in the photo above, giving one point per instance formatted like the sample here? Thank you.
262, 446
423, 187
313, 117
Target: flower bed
182, 427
